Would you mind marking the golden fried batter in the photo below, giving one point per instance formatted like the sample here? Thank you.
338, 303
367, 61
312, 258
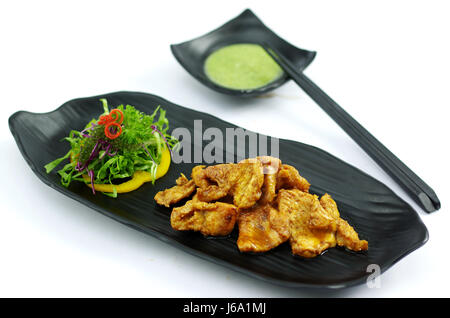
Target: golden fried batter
306, 240
212, 182
183, 189
289, 178
248, 178
345, 234
328, 204
271, 167
261, 228
316, 225
215, 219
243, 181
198, 175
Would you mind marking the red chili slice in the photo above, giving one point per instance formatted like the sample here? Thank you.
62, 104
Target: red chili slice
109, 133
104, 119
113, 119
116, 116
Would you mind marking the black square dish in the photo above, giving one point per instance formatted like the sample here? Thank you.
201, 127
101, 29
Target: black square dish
246, 28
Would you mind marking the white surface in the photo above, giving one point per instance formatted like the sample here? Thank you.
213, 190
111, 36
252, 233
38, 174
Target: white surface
386, 63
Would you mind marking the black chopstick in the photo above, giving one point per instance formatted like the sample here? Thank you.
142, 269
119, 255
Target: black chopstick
405, 177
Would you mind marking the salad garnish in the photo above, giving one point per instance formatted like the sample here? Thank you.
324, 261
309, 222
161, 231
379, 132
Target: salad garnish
111, 149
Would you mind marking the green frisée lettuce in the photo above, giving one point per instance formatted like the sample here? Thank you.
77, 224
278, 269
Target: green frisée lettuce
113, 147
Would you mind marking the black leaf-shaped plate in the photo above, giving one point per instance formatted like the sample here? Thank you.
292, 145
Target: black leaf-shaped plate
391, 226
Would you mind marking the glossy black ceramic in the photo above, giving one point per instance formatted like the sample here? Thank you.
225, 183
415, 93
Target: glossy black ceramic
246, 28
391, 226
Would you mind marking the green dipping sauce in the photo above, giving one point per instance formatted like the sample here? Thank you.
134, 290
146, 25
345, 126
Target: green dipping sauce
242, 67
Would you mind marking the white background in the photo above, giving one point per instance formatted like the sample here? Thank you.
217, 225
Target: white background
385, 62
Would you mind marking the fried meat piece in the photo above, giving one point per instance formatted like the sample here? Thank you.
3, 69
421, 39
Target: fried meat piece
213, 182
198, 175
289, 178
243, 181
345, 233
316, 225
330, 205
182, 190
306, 240
271, 167
261, 228
347, 236
248, 178
211, 219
